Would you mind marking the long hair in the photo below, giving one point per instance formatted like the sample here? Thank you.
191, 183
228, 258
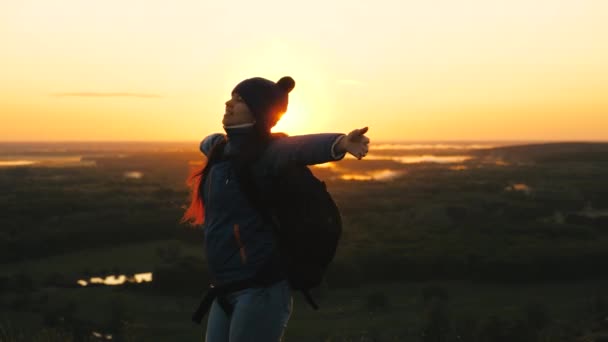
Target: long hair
195, 213
250, 152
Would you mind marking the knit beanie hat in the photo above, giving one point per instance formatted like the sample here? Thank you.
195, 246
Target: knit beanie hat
266, 99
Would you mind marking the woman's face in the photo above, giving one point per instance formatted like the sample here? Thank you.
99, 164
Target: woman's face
237, 112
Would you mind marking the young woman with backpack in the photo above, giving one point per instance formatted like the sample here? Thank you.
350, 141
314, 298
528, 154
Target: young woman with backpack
250, 299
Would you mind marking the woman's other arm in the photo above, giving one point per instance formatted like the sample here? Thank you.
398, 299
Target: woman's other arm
210, 141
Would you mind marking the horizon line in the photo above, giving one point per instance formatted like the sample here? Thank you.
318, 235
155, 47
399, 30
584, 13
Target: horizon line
383, 141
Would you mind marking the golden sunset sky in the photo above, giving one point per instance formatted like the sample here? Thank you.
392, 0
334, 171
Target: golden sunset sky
410, 70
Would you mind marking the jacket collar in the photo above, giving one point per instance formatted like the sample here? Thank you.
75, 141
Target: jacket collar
238, 136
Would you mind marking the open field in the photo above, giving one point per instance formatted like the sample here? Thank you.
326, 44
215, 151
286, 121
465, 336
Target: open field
507, 244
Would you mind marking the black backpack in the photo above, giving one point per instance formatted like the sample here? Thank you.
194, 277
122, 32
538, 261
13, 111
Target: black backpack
307, 225
306, 222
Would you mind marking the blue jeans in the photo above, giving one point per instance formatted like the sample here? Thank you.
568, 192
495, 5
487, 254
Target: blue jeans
259, 315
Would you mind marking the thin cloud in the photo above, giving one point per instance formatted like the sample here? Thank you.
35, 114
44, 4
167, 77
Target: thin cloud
349, 82
101, 94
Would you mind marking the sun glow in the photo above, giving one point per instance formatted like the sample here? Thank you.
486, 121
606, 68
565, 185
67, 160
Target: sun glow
312, 99
294, 122
410, 70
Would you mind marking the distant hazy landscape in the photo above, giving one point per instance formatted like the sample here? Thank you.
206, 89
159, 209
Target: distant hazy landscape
443, 241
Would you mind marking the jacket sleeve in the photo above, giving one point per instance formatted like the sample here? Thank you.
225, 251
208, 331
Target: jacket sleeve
309, 149
209, 141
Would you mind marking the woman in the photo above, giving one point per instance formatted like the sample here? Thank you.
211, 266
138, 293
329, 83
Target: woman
239, 243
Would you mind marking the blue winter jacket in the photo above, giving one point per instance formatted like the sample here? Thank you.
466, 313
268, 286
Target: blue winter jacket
237, 239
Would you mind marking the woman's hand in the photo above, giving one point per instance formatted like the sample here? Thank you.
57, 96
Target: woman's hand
355, 143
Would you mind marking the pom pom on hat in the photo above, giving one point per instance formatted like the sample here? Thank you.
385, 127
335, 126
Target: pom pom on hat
286, 83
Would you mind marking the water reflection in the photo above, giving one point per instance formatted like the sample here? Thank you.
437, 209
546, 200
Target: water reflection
427, 158
101, 336
459, 167
45, 161
356, 177
113, 280
378, 175
431, 146
326, 165
133, 175
16, 162
519, 187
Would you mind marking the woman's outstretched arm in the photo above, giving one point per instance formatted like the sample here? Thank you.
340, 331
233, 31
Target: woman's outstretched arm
311, 149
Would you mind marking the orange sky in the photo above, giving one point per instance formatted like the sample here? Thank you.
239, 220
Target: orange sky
411, 70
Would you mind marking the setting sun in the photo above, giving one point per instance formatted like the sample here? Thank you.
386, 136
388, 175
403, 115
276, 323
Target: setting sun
297, 119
